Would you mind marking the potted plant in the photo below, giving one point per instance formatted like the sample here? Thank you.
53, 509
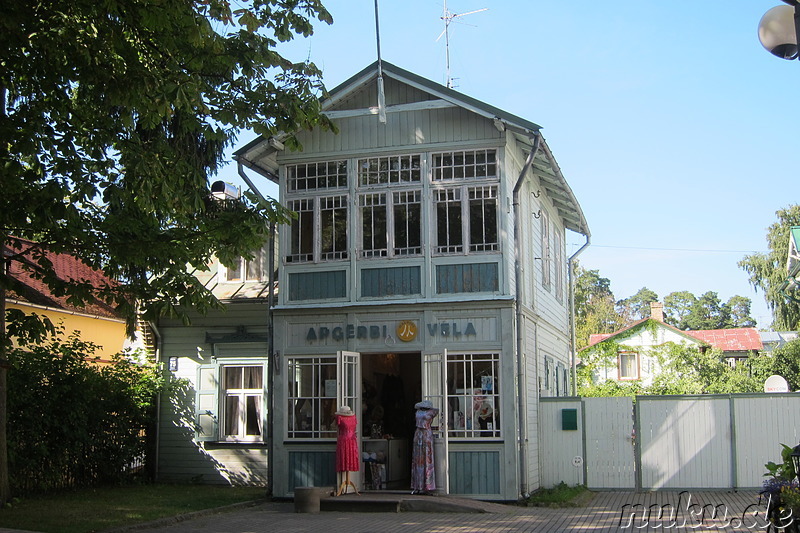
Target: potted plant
782, 493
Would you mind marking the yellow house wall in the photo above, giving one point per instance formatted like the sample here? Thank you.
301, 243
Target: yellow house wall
108, 334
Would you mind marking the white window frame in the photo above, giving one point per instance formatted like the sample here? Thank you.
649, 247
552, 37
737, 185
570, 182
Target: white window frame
405, 169
558, 263
484, 391
547, 366
241, 395
317, 190
318, 207
546, 250
259, 258
457, 165
465, 197
384, 241
316, 403
211, 393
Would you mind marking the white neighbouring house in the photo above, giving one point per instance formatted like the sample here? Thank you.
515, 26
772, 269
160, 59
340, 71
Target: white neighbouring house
635, 345
427, 261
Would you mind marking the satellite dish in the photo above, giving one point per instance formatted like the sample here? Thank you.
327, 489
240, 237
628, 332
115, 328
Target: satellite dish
776, 384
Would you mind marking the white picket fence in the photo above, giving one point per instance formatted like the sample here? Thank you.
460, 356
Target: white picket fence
665, 442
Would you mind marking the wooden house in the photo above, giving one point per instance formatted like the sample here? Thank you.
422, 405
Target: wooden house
427, 261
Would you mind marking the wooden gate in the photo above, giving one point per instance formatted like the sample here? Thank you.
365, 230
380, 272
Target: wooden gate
610, 457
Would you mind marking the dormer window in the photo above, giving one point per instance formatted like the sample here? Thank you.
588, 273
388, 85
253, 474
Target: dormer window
254, 269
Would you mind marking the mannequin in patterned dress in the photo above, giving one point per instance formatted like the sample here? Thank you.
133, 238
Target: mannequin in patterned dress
347, 457
423, 479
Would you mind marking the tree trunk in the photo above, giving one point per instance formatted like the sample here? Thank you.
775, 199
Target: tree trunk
4, 486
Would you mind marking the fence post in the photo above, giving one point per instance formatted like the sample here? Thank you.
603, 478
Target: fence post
734, 476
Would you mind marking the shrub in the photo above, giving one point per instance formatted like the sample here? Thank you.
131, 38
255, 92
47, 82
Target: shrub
72, 423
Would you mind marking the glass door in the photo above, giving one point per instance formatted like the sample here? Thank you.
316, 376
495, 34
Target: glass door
434, 388
348, 392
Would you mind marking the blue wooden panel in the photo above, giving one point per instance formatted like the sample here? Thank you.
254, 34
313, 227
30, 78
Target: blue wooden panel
473, 277
390, 281
474, 472
317, 285
312, 469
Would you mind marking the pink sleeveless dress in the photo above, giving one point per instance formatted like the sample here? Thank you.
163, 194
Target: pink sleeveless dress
347, 458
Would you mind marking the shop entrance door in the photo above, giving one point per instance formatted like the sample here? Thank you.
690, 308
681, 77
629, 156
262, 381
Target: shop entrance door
348, 392
434, 388
391, 385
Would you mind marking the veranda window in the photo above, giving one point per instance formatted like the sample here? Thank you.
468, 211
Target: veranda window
391, 170
319, 233
311, 397
243, 397
464, 164
466, 211
331, 212
473, 395
391, 223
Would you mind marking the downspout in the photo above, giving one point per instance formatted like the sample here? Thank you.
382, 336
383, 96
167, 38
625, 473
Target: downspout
573, 351
159, 348
521, 389
270, 342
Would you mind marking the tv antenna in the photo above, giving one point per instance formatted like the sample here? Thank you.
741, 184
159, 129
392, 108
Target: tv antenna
448, 17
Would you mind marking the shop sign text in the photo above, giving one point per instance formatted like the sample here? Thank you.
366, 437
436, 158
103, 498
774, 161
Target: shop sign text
351, 331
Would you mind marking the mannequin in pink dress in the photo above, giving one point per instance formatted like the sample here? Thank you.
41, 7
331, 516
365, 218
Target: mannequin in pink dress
347, 457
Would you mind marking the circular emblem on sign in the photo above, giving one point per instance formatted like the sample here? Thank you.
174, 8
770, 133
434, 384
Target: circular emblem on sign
577, 461
407, 331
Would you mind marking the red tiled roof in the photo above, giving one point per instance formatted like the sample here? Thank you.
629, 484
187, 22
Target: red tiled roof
730, 340
727, 340
66, 267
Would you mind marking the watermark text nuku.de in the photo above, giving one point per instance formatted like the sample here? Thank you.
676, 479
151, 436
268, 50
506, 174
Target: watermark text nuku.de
687, 514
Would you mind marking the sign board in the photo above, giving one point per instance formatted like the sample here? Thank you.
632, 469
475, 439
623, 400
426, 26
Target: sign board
776, 384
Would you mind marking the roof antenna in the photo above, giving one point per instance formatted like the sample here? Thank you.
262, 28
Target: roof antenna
447, 17
381, 95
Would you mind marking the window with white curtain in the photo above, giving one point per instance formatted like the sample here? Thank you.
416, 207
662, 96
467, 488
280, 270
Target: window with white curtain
628, 365
243, 403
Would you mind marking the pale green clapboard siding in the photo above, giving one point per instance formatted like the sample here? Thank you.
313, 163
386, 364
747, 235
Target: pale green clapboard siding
475, 472
471, 277
180, 457
312, 469
390, 281
401, 131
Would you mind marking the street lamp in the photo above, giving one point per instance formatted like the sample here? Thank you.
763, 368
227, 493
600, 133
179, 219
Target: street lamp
779, 30
796, 461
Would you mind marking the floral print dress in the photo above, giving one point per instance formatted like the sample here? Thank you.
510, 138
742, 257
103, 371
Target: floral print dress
422, 473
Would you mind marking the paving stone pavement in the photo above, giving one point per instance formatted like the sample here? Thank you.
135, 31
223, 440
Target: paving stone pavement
615, 511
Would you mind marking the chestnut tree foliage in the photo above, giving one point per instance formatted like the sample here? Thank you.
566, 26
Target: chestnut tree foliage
114, 115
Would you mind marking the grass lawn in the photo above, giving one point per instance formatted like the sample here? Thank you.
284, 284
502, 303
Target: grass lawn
87, 510
561, 495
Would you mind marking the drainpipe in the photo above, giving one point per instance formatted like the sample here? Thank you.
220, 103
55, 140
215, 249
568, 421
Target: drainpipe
573, 351
521, 389
159, 346
270, 342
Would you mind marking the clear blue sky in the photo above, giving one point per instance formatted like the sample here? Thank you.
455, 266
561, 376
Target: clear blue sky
676, 130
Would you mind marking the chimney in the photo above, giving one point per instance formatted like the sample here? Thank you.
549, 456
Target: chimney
657, 311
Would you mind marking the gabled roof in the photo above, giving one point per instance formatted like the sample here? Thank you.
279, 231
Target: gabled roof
28, 288
727, 340
730, 340
524, 131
